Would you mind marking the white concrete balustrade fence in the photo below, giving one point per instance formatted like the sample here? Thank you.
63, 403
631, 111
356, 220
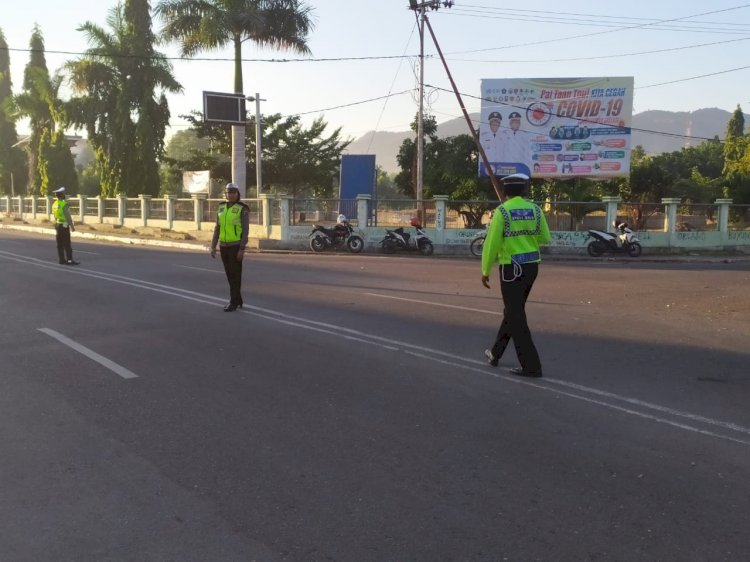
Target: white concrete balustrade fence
285, 222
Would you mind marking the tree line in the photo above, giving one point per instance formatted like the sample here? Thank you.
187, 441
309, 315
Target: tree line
700, 174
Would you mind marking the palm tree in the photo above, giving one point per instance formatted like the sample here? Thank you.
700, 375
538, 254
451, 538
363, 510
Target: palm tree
203, 25
48, 152
121, 81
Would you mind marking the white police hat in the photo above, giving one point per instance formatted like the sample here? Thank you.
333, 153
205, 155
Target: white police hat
516, 178
59, 190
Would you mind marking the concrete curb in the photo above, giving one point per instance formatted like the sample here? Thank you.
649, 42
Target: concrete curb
198, 246
195, 246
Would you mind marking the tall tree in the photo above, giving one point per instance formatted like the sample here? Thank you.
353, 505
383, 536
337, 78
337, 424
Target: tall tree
12, 175
302, 161
406, 179
33, 106
204, 25
53, 163
122, 82
736, 143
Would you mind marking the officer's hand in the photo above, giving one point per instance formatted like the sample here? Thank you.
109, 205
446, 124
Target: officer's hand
486, 281
240, 254
213, 253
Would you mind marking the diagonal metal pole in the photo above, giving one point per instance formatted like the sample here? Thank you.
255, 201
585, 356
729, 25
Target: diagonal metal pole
482, 154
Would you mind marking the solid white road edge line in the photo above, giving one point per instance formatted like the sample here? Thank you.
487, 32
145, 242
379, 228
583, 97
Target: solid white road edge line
368, 338
587, 399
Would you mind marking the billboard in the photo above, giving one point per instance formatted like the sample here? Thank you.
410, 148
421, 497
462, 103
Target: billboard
557, 127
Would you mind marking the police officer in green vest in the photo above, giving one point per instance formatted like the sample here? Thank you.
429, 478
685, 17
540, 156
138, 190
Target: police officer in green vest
63, 227
517, 229
230, 232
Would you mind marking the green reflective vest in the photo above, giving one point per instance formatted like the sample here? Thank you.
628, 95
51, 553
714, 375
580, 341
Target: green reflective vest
517, 229
230, 223
58, 211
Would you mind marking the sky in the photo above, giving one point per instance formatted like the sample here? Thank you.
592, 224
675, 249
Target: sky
683, 55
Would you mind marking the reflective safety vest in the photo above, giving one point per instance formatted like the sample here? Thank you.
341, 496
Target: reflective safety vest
58, 211
515, 233
230, 223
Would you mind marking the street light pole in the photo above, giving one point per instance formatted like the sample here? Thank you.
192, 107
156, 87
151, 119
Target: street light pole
258, 158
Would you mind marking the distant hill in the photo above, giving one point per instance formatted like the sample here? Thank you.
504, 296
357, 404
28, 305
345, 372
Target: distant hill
703, 123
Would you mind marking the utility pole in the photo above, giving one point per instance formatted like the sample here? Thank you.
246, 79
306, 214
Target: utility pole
258, 157
420, 10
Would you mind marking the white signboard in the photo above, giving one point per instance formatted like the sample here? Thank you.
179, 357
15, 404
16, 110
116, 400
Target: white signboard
557, 127
196, 182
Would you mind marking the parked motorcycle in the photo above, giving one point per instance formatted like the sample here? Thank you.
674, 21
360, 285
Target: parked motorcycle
342, 234
397, 239
624, 241
477, 244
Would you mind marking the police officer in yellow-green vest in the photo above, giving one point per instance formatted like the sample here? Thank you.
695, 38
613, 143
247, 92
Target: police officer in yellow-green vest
230, 233
517, 229
63, 227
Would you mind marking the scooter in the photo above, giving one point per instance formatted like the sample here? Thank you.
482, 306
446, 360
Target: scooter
623, 242
397, 239
342, 234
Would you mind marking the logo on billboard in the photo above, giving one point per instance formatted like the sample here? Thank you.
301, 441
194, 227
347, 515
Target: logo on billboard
539, 113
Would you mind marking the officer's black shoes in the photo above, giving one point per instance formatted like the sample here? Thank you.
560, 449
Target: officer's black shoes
73, 262
63, 262
491, 359
521, 373
230, 308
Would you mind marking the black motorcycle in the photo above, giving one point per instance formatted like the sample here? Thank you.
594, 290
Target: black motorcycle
341, 235
397, 239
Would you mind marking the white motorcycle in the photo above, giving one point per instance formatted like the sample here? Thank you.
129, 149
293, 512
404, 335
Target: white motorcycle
624, 241
397, 239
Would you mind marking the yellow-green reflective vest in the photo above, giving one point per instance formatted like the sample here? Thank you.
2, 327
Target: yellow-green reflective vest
58, 211
230, 223
514, 235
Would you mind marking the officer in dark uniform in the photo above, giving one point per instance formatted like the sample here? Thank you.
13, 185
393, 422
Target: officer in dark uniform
517, 229
230, 232
63, 227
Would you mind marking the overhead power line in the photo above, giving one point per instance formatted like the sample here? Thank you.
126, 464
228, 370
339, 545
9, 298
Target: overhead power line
389, 95
595, 21
627, 27
599, 57
203, 59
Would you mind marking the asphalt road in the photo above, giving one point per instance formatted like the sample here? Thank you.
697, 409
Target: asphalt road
346, 413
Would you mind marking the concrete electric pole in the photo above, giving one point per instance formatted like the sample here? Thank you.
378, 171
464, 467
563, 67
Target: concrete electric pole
420, 10
258, 136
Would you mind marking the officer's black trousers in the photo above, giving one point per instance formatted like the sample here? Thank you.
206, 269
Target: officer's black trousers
233, 269
62, 235
515, 325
